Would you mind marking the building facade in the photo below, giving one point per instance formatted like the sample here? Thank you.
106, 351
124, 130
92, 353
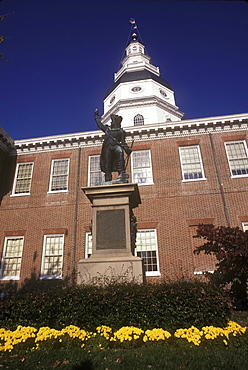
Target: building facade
189, 172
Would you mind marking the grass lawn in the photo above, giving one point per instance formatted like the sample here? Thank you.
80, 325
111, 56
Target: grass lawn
154, 357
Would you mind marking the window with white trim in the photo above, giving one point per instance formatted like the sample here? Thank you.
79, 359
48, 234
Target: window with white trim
52, 259
138, 120
88, 244
96, 176
12, 258
23, 177
237, 157
59, 175
245, 226
141, 167
147, 249
191, 163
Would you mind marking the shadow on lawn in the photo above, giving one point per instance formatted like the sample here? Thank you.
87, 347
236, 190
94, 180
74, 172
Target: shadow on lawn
84, 365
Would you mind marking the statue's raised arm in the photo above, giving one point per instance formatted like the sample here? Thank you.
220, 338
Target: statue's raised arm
99, 123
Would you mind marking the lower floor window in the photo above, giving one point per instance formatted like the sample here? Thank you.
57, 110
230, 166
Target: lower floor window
52, 260
12, 258
147, 249
245, 226
88, 247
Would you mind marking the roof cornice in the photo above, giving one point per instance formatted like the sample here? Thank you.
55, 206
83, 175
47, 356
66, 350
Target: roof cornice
142, 102
6, 142
145, 132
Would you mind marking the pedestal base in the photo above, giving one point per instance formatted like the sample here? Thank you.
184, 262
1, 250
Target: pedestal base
101, 271
112, 259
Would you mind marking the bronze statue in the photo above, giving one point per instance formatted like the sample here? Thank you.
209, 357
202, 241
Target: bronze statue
113, 148
133, 229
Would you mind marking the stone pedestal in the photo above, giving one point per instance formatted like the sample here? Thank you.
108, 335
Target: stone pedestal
112, 259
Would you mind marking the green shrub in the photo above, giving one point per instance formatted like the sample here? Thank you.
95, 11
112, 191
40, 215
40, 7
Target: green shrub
167, 305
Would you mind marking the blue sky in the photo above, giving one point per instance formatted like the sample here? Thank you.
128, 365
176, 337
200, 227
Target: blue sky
63, 54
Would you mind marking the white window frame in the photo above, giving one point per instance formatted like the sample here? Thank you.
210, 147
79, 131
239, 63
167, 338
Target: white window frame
138, 120
88, 249
149, 273
14, 194
183, 164
50, 276
203, 272
88, 244
90, 172
4, 258
229, 161
245, 226
51, 176
149, 167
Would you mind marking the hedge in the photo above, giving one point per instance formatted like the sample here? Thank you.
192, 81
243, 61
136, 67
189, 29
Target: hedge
166, 305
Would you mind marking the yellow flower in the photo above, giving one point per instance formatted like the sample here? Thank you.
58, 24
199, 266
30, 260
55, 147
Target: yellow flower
128, 333
156, 334
192, 335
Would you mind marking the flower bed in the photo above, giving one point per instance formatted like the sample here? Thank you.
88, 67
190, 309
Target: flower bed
104, 337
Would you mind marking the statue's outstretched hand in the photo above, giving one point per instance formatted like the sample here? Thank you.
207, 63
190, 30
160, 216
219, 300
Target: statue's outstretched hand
96, 114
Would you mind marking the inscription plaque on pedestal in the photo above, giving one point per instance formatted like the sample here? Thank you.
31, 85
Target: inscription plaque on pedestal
111, 233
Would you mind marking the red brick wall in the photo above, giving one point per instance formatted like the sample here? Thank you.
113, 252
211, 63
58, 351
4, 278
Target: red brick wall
170, 204
3, 163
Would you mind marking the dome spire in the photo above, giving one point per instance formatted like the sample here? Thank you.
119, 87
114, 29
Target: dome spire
136, 58
136, 36
133, 23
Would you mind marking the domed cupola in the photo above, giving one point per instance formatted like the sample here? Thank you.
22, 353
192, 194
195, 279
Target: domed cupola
139, 94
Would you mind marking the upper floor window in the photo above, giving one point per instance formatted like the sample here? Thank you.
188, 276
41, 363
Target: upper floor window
59, 175
141, 167
95, 176
52, 259
191, 163
12, 258
23, 178
147, 249
138, 120
237, 157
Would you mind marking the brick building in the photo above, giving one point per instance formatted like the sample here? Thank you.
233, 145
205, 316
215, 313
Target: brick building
189, 172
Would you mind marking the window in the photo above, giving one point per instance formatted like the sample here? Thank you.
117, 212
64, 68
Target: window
52, 260
138, 120
59, 175
245, 226
96, 177
88, 245
12, 258
191, 163
141, 167
146, 248
237, 157
23, 178
136, 89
